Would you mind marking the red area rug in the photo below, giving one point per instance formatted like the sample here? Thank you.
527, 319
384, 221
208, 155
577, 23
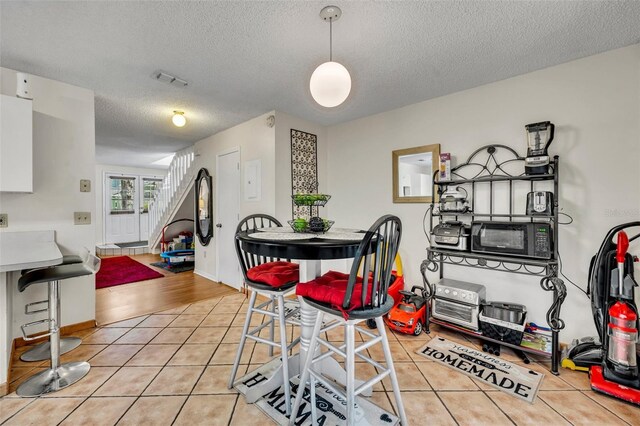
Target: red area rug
123, 270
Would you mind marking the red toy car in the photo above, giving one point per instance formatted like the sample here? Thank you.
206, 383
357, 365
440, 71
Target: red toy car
409, 314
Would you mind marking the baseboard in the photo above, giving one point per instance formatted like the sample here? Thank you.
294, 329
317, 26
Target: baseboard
215, 279
205, 275
4, 387
64, 330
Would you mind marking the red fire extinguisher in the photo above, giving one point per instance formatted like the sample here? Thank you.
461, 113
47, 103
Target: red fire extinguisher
623, 320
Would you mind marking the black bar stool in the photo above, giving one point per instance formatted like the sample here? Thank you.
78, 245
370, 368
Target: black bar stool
42, 351
58, 376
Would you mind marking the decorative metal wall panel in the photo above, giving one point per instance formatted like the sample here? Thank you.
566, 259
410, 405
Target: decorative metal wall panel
304, 169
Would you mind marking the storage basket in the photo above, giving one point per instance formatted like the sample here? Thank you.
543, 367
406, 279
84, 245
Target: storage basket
504, 331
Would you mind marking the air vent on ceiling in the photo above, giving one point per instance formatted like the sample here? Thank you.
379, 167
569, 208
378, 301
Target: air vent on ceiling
168, 78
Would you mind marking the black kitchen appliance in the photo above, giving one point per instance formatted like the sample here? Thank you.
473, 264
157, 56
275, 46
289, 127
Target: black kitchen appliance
540, 203
505, 311
451, 235
539, 137
503, 321
524, 239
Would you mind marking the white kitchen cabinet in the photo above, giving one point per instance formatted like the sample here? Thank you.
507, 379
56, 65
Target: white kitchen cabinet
16, 144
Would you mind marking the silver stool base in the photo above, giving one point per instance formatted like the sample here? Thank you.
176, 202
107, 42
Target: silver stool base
42, 351
51, 380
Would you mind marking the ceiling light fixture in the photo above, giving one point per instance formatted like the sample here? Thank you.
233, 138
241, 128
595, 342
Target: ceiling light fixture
178, 119
330, 83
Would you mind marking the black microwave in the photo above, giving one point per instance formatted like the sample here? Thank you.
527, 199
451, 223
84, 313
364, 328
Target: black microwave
525, 239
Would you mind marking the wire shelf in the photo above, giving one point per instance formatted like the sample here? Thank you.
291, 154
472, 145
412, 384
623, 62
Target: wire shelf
311, 200
527, 266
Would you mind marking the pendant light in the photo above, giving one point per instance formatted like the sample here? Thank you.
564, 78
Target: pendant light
330, 83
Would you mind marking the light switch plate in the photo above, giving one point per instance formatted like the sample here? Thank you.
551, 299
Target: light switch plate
4, 220
81, 218
85, 185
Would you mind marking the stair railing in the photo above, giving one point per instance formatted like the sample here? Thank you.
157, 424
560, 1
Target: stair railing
175, 184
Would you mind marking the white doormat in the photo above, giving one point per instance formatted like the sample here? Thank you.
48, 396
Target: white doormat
513, 379
331, 408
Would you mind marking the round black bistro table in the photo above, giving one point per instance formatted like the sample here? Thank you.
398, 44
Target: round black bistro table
309, 252
316, 248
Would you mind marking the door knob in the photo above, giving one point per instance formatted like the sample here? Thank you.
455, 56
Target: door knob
218, 225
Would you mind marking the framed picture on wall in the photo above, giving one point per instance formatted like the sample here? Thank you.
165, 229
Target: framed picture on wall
304, 169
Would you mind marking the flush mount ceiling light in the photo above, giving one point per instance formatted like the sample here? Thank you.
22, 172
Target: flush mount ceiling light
330, 83
178, 119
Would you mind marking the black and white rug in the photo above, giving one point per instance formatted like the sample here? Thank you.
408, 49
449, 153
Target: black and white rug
510, 378
331, 408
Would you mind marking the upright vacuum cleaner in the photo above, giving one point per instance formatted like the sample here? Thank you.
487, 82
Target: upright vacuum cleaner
618, 376
613, 363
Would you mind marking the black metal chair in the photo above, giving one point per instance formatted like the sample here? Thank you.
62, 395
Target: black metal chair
272, 278
58, 376
42, 351
348, 300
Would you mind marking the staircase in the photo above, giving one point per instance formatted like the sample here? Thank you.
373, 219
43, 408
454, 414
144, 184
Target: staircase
171, 195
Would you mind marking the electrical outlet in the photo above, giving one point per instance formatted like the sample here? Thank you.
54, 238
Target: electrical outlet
81, 218
4, 220
85, 185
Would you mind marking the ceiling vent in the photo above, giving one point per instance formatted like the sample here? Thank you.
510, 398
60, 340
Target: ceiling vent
168, 78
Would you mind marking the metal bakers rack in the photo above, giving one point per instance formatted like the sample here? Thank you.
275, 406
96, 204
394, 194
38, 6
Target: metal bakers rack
491, 168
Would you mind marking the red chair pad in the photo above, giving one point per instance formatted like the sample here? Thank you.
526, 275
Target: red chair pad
275, 274
330, 288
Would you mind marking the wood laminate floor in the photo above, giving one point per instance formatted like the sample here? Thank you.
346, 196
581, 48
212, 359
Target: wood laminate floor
145, 297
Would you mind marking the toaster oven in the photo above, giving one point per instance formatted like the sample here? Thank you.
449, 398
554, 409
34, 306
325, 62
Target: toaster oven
458, 302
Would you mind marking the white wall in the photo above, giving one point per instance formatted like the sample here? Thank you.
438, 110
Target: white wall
186, 211
595, 104
98, 185
63, 153
256, 141
284, 124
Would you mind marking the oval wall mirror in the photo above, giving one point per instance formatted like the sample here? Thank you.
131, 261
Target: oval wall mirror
204, 207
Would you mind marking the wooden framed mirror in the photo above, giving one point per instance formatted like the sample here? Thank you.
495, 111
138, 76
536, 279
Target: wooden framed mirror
204, 207
413, 170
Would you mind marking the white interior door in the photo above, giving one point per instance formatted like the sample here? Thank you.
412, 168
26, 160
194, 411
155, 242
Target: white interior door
228, 216
122, 214
149, 185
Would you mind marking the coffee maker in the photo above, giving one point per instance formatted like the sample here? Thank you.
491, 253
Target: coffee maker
539, 137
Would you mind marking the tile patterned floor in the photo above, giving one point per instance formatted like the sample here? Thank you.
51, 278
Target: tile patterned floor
171, 368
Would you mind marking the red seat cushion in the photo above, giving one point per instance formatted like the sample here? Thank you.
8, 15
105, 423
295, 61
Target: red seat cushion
275, 274
330, 288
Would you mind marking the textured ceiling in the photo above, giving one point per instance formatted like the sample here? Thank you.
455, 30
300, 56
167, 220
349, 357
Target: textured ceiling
242, 59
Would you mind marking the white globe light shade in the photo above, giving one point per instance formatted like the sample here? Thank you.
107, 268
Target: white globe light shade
178, 120
330, 84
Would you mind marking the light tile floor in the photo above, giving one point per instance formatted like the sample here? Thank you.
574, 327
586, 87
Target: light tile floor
171, 368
